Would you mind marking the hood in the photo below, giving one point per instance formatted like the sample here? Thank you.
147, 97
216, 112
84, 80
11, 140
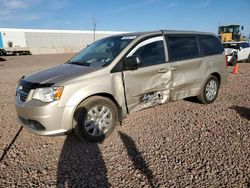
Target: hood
60, 73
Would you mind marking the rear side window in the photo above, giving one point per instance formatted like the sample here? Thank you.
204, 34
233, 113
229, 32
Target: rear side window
210, 45
182, 47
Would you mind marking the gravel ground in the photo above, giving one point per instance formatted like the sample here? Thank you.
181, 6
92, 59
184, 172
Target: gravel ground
182, 144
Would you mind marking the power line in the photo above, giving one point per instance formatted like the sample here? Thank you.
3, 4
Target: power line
94, 27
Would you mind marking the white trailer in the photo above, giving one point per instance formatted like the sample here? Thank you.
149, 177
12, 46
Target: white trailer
15, 51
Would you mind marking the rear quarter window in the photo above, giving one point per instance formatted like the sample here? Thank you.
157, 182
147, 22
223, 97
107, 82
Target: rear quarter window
182, 47
210, 45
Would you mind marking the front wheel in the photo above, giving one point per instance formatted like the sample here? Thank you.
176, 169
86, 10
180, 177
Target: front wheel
95, 119
209, 91
248, 59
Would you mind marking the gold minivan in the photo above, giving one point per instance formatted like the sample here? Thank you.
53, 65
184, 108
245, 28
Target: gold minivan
118, 75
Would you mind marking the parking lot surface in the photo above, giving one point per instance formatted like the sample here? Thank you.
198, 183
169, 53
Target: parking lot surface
180, 144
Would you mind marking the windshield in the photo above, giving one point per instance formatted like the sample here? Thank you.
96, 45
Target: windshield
102, 52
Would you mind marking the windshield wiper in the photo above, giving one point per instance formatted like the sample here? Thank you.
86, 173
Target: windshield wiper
79, 63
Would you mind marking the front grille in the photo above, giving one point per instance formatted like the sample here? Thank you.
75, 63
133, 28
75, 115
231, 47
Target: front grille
23, 96
25, 89
23, 92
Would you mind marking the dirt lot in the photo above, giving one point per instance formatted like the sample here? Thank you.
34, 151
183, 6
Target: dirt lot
182, 144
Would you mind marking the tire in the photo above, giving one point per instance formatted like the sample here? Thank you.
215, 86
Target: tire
248, 59
209, 91
233, 60
92, 114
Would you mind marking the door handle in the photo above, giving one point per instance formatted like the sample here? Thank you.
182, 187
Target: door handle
163, 70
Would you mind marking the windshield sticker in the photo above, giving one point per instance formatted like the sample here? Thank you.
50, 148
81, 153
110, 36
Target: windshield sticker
128, 37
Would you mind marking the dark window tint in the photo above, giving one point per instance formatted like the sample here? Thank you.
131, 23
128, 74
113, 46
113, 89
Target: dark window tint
211, 45
151, 54
230, 45
244, 45
180, 48
240, 45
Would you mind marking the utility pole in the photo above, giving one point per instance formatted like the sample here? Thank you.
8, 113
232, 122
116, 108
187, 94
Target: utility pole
94, 27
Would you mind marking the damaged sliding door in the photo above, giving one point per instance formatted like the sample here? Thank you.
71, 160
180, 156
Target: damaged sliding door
150, 83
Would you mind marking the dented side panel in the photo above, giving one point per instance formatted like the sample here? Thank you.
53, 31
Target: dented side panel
187, 77
148, 86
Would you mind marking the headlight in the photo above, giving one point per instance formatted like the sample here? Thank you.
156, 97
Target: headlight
48, 94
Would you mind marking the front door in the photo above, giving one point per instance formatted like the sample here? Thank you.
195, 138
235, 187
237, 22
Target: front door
150, 84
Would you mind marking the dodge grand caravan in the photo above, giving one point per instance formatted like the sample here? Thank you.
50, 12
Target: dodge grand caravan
118, 75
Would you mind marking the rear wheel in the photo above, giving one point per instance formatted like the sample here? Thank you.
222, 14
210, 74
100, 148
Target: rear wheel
209, 91
95, 119
248, 59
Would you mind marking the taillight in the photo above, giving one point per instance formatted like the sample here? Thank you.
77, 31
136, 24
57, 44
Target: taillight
226, 62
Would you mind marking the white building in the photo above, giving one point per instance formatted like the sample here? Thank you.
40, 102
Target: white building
40, 41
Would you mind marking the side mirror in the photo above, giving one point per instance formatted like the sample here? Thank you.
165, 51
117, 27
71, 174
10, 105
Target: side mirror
132, 62
242, 27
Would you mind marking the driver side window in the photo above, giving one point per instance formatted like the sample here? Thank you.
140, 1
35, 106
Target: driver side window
150, 53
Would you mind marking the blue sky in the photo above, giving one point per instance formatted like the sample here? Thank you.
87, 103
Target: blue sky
121, 15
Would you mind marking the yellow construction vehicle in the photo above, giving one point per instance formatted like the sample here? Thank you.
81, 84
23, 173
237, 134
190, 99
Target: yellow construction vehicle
230, 33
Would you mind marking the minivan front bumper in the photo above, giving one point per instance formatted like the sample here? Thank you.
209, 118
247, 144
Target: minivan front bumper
44, 118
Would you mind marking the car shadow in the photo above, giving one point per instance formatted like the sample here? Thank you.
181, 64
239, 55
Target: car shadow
242, 111
81, 165
2, 59
192, 100
137, 159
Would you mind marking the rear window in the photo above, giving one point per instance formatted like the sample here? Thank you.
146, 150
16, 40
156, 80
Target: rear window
182, 47
210, 45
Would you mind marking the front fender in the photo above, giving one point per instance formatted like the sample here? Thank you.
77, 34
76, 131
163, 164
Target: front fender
109, 84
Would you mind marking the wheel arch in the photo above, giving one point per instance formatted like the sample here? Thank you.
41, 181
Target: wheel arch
102, 94
217, 75
210, 73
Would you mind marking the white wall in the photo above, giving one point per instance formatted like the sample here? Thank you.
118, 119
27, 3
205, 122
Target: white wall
16, 37
41, 41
